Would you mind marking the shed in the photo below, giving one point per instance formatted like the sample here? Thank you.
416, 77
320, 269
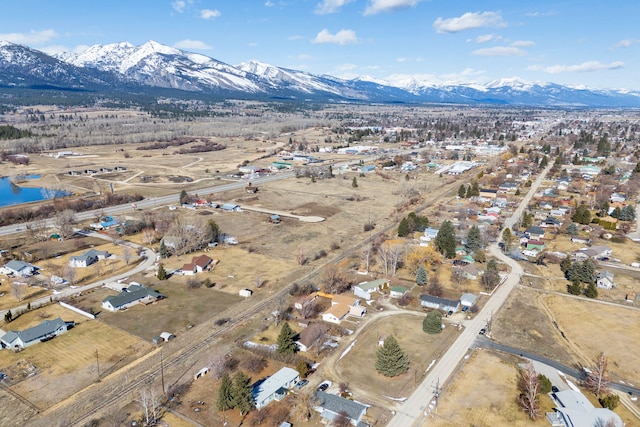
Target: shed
397, 291
167, 336
245, 293
230, 207
468, 300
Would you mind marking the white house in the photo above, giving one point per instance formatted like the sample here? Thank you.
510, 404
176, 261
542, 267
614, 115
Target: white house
20, 268
365, 289
46, 330
275, 387
604, 280
133, 295
574, 409
89, 257
438, 303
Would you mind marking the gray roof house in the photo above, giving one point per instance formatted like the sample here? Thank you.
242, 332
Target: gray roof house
604, 280
438, 303
46, 330
467, 300
275, 387
20, 268
574, 409
86, 259
133, 295
330, 406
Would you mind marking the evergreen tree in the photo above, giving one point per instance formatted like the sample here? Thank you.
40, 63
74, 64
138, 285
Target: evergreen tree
432, 323
303, 368
616, 212
572, 229
544, 162
591, 291
162, 273
475, 188
354, 182
628, 213
582, 215
241, 393
391, 360
565, 264
286, 340
575, 288
8, 316
421, 276
637, 168
215, 230
225, 393
184, 196
164, 251
446, 240
474, 239
462, 191
507, 238
403, 228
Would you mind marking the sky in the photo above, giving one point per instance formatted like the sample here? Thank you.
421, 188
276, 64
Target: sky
590, 43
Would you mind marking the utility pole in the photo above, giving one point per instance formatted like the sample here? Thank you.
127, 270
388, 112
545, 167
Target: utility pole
98, 364
162, 371
436, 394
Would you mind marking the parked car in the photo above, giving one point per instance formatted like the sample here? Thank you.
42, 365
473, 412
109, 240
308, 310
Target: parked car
482, 331
301, 384
324, 385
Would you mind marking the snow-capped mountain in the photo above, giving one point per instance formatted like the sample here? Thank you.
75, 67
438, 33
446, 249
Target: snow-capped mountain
127, 69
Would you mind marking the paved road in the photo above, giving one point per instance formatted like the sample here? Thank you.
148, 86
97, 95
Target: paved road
412, 412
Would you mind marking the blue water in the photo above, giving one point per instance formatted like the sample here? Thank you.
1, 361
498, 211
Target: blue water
11, 194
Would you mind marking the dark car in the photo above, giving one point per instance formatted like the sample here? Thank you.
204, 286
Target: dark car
301, 384
554, 389
323, 387
482, 331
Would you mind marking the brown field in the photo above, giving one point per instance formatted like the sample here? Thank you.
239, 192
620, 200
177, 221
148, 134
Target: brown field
68, 362
357, 368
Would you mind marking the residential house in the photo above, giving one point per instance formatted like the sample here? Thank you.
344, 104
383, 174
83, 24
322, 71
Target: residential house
133, 295
438, 303
330, 406
574, 409
302, 302
467, 300
397, 291
198, 264
275, 387
341, 307
535, 245
487, 193
308, 337
365, 289
535, 233
580, 239
468, 271
20, 268
596, 252
86, 259
429, 234
46, 330
230, 207
336, 313
604, 280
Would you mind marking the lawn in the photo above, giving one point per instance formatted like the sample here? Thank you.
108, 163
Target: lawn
68, 362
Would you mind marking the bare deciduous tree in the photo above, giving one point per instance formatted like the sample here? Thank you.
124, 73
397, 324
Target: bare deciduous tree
64, 221
334, 279
149, 235
69, 274
126, 255
529, 387
38, 230
596, 380
18, 290
217, 365
150, 405
367, 251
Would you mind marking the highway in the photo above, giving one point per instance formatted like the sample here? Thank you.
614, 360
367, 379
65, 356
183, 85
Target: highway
414, 410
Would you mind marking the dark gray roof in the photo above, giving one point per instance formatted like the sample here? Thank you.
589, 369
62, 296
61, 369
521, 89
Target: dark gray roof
17, 265
437, 300
44, 329
127, 297
337, 404
534, 230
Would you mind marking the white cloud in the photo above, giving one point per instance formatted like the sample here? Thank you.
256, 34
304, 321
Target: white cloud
499, 51
522, 43
485, 38
179, 5
31, 38
468, 21
342, 37
191, 44
209, 13
583, 68
296, 37
401, 60
269, 4
346, 67
627, 42
304, 56
379, 6
326, 7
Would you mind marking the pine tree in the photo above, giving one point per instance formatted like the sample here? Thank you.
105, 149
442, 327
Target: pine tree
432, 323
475, 189
164, 251
462, 191
354, 182
184, 196
446, 240
303, 368
575, 288
403, 228
286, 340
474, 239
507, 238
591, 291
242, 396
162, 273
225, 393
391, 360
421, 276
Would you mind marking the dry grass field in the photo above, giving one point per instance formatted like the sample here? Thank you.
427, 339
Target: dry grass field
483, 394
68, 362
357, 368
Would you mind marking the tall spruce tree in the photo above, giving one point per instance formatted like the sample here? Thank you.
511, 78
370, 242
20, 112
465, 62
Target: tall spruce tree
403, 228
421, 276
225, 393
286, 340
474, 239
164, 251
241, 393
391, 360
432, 323
446, 240
162, 273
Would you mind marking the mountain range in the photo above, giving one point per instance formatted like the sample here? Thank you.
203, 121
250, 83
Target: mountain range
153, 69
